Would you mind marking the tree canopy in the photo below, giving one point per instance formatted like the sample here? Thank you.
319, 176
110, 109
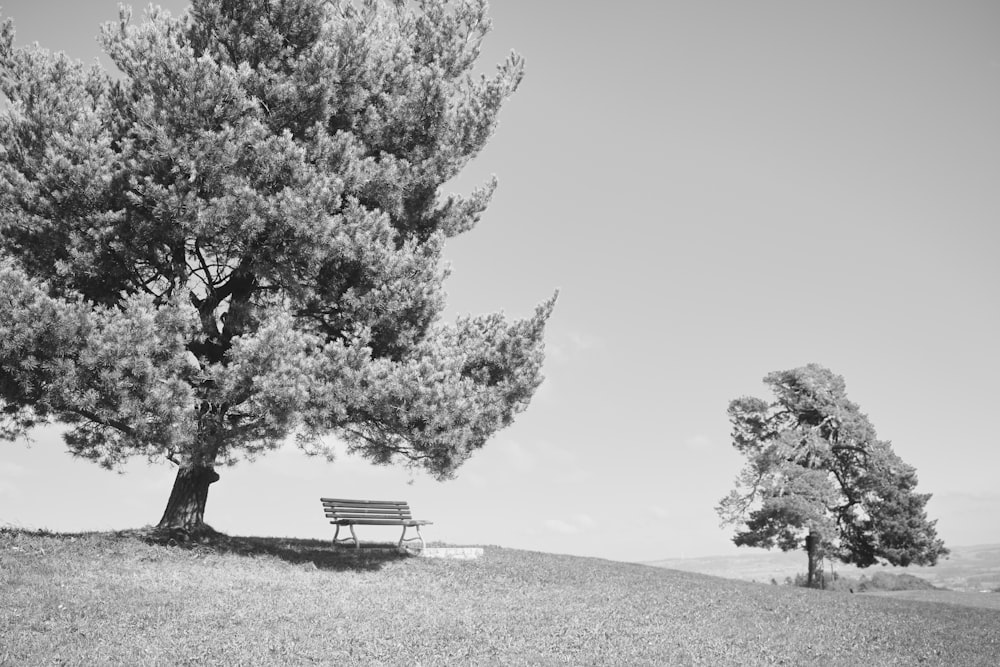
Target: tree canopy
238, 237
817, 477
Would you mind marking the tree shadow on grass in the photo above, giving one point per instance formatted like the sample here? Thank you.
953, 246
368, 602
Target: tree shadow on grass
321, 554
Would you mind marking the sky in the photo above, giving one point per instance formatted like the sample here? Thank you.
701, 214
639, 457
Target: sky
718, 190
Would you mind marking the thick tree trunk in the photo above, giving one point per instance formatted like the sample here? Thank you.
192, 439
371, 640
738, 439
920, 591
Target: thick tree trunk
185, 509
815, 560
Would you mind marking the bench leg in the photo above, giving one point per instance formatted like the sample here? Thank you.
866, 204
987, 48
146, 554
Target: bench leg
354, 538
402, 538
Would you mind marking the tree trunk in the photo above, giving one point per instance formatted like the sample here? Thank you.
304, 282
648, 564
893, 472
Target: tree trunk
186, 507
815, 560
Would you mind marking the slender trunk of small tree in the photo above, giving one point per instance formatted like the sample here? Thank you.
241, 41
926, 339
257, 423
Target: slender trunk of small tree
186, 507
815, 560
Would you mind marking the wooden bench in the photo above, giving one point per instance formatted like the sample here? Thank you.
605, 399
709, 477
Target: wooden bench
350, 513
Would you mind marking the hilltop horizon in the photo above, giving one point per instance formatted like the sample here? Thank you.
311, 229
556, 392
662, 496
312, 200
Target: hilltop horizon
968, 567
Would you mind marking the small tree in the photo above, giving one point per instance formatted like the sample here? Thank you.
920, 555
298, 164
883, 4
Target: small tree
818, 478
239, 238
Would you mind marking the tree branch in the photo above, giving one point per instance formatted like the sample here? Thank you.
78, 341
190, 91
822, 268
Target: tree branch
851, 448
110, 423
209, 281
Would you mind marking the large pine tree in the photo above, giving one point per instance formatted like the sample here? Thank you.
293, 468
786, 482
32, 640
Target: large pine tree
238, 238
818, 478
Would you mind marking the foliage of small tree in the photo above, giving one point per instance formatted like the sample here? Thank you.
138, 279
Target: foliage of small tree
239, 237
818, 478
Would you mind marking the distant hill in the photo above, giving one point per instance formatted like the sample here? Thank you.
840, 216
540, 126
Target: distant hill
973, 568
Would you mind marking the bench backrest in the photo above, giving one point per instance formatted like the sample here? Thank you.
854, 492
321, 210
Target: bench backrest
369, 511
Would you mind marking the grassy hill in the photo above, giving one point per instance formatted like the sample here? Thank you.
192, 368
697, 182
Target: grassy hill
116, 599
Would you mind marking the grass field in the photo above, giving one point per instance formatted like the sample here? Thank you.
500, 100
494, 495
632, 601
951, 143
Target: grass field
115, 599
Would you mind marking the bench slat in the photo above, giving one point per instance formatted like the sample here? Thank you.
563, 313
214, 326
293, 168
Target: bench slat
348, 508
368, 517
379, 522
363, 503
373, 507
366, 510
352, 508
